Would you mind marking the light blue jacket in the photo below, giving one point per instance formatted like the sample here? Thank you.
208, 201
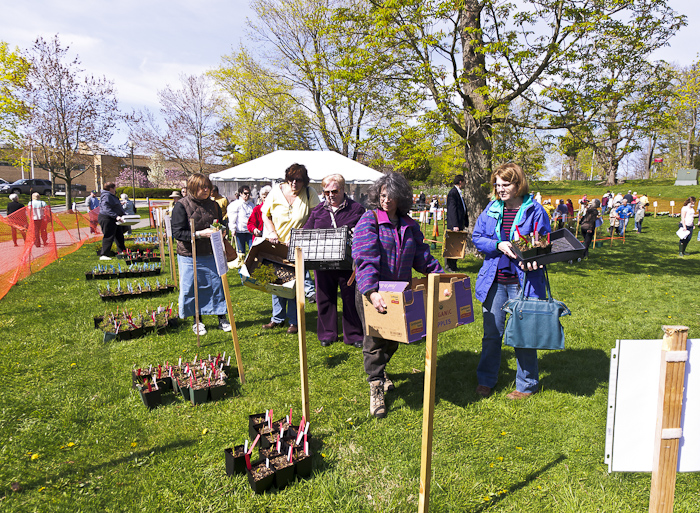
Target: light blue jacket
487, 235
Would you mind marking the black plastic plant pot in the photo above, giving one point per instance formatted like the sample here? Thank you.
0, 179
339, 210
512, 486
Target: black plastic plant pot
151, 399
98, 321
199, 395
284, 472
217, 393
260, 477
235, 460
253, 420
302, 463
137, 332
176, 387
165, 383
88, 276
136, 379
185, 391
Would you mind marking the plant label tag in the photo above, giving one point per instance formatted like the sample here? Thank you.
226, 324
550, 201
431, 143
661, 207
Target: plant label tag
217, 246
168, 226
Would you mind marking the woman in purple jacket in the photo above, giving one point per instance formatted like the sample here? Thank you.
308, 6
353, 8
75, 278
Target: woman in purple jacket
501, 276
337, 210
387, 246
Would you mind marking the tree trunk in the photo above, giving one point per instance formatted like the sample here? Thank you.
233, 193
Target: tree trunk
69, 192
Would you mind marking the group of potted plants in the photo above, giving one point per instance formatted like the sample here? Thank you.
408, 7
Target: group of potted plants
283, 452
142, 238
134, 289
126, 325
198, 381
139, 254
107, 272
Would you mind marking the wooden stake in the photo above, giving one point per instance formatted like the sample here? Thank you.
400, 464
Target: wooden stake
429, 391
670, 404
172, 258
161, 244
578, 221
234, 331
194, 269
301, 325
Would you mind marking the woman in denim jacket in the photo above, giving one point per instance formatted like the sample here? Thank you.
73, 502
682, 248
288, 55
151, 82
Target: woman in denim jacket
501, 275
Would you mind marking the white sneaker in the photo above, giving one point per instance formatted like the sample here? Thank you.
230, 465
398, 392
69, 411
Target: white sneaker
224, 325
202, 329
105, 258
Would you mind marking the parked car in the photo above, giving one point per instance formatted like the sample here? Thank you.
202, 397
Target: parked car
27, 186
3, 181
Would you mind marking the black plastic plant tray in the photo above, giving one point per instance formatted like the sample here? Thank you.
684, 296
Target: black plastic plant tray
565, 247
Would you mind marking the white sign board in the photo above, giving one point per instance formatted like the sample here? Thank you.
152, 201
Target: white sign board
217, 246
656, 203
635, 367
672, 203
168, 226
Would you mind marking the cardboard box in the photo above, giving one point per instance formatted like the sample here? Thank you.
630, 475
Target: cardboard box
263, 249
405, 317
455, 245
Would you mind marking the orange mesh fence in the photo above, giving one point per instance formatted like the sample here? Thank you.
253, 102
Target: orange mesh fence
32, 239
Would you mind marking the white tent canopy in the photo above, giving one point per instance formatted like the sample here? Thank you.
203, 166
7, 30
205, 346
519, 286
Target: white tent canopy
271, 167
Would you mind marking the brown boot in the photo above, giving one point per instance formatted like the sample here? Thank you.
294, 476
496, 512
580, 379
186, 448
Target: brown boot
376, 399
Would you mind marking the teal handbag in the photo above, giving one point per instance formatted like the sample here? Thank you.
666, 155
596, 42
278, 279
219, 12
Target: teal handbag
534, 323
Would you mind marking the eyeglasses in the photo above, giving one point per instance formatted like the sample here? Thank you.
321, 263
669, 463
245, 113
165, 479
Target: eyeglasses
295, 180
502, 186
246, 193
334, 191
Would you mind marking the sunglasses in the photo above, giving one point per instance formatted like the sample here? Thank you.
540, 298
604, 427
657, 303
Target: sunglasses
334, 191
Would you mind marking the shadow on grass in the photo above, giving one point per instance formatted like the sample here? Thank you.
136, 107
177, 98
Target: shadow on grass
335, 360
520, 485
79, 471
574, 371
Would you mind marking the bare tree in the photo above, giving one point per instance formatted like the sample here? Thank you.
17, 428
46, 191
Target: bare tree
71, 114
191, 116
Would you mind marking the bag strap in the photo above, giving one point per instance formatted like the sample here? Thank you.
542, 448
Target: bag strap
546, 284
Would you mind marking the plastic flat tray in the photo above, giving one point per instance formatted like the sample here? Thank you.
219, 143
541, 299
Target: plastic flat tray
323, 249
565, 247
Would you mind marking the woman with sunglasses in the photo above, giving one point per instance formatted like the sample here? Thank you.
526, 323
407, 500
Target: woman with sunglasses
336, 211
287, 206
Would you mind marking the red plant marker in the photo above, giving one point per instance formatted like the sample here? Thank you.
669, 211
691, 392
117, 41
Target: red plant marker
254, 442
190, 381
247, 461
547, 238
290, 454
149, 386
159, 371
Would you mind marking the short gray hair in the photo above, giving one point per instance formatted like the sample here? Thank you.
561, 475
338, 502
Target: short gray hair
397, 188
14, 197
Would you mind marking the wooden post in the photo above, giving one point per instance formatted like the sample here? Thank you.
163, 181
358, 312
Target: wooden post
77, 223
429, 392
169, 233
301, 325
595, 235
194, 270
161, 242
234, 331
668, 424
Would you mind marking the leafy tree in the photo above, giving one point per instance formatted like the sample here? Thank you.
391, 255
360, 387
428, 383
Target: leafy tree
71, 114
192, 125
140, 178
471, 59
13, 77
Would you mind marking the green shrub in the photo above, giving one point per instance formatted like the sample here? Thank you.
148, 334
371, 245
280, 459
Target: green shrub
145, 192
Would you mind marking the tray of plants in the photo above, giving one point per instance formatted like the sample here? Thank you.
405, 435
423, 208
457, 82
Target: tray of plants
558, 246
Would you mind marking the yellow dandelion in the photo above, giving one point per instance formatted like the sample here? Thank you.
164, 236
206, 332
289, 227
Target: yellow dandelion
646, 311
323, 455
519, 448
503, 433
205, 431
491, 465
133, 444
669, 316
42, 488
539, 487
500, 458
70, 444
73, 364
62, 447
486, 499
35, 456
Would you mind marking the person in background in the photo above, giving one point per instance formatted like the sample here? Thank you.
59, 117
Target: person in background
387, 245
604, 202
336, 211
239, 213
629, 197
175, 196
549, 208
222, 202
457, 219
40, 219
624, 212
255, 222
254, 194
501, 276
588, 224
561, 214
199, 206
111, 212
571, 212
92, 201
13, 206
639, 215
538, 197
287, 206
129, 208
687, 220
183, 192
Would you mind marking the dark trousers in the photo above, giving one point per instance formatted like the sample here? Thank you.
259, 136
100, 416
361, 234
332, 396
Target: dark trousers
683, 243
451, 264
587, 239
327, 283
376, 351
111, 231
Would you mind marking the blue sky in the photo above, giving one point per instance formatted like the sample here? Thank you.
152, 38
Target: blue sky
144, 45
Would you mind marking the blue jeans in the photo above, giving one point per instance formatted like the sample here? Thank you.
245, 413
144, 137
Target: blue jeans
527, 376
243, 238
309, 285
284, 309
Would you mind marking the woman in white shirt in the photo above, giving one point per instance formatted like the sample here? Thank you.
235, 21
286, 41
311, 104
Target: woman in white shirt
40, 221
687, 217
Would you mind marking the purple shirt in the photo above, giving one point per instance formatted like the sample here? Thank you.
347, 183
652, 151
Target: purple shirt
348, 214
382, 252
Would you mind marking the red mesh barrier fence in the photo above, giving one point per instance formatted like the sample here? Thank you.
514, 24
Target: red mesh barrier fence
31, 240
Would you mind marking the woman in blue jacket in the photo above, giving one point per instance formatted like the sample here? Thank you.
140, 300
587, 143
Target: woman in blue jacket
501, 275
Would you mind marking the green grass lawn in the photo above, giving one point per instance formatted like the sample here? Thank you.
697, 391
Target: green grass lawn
76, 437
